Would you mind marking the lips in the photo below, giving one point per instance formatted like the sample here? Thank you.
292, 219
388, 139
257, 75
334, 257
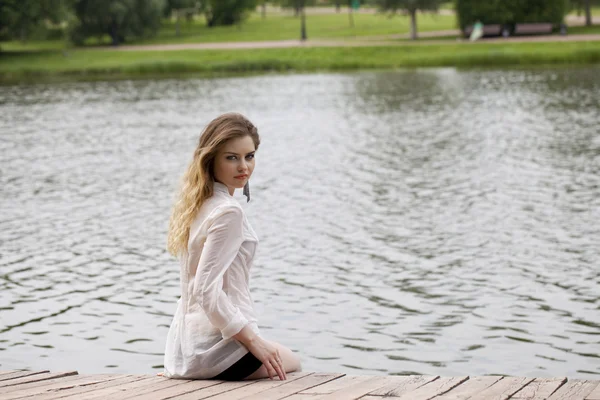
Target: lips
240, 176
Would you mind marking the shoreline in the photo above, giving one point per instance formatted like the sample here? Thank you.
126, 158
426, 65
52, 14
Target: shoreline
93, 65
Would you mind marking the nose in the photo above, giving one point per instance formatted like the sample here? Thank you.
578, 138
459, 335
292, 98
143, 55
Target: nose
243, 165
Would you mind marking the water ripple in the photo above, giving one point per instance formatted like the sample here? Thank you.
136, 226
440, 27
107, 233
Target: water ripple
430, 221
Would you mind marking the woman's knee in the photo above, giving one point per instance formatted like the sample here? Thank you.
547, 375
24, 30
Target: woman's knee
291, 362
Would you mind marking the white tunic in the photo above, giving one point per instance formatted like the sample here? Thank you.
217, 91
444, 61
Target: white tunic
215, 301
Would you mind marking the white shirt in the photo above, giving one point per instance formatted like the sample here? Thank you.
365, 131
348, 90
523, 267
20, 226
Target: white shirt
215, 301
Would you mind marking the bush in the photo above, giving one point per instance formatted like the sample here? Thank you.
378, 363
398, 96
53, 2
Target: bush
510, 12
121, 19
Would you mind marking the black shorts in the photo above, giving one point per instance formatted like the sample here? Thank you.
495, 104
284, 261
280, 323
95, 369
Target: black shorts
243, 368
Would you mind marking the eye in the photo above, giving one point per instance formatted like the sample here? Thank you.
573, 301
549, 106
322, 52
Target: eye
250, 156
232, 157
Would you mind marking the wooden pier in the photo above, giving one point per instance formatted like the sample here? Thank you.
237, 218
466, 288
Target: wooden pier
298, 386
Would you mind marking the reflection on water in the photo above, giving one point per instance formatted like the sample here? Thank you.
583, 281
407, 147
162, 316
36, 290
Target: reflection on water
432, 222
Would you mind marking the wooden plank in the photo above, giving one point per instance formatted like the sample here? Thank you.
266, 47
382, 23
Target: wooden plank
25, 386
19, 374
178, 390
145, 390
356, 390
539, 389
110, 391
222, 387
63, 389
502, 389
258, 386
434, 388
469, 388
401, 386
595, 394
27, 389
35, 378
574, 389
7, 372
294, 387
336, 384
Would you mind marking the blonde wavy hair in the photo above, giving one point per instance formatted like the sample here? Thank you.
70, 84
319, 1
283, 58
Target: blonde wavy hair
197, 182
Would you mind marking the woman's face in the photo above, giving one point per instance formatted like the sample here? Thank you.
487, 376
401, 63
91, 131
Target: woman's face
234, 163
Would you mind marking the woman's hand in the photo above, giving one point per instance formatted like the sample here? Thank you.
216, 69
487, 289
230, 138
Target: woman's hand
264, 351
269, 355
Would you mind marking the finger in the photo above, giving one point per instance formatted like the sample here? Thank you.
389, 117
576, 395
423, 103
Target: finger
283, 369
270, 370
279, 370
276, 367
280, 363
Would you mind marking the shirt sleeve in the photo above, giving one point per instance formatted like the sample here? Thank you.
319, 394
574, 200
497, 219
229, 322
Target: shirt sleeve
224, 238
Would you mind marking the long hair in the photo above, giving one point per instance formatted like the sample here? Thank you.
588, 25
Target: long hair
197, 182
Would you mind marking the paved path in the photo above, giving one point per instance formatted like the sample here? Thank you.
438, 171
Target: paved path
391, 40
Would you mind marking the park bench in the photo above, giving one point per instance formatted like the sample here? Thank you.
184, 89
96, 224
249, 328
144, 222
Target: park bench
528, 29
488, 30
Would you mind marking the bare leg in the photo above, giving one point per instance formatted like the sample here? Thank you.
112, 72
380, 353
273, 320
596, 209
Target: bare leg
291, 362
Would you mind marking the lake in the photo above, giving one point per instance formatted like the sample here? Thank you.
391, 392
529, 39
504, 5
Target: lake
430, 221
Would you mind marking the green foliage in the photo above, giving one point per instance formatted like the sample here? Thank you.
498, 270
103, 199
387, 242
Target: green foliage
171, 5
281, 27
510, 11
297, 4
580, 5
121, 19
19, 19
227, 12
408, 6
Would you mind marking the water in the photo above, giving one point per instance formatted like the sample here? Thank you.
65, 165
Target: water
431, 221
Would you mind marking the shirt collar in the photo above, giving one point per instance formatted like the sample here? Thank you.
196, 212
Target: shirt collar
219, 187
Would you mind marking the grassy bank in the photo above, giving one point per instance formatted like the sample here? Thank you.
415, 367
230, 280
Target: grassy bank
274, 27
94, 64
285, 27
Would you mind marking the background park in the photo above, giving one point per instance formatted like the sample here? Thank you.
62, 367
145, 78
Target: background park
426, 204
58, 38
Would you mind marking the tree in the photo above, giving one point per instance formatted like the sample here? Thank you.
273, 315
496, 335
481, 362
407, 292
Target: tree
181, 8
299, 10
20, 18
586, 6
172, 6
510, 12
409, 7
120, 19
227, 12
351, 13
297, 5
263, 8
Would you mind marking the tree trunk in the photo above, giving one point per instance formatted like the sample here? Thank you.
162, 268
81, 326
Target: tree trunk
413, 24
303, 25
588, 13
177, 29
351, 15
264, 9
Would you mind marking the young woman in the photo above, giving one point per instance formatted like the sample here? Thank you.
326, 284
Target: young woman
214, 334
